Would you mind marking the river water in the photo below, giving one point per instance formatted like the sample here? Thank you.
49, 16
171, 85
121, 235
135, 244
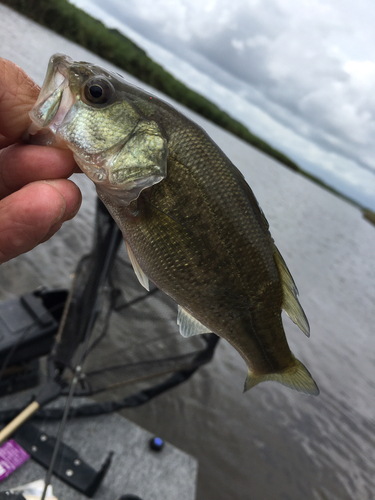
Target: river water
270, 443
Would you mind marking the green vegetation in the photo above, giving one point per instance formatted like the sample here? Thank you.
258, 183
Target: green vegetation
76, 25
369, 215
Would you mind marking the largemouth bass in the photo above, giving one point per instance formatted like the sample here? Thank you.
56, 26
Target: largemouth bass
190, 221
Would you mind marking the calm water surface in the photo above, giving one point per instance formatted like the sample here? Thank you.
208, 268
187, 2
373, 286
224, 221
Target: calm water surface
270, 443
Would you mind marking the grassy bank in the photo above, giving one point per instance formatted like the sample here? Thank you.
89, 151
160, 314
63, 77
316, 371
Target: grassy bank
76, 25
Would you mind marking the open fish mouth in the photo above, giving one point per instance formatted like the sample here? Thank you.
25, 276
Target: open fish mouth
85, 108
55, 98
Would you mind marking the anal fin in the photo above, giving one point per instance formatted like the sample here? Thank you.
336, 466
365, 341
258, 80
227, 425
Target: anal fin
189, 326
137, 269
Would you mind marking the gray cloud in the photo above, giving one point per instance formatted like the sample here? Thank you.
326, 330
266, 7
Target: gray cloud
310, 66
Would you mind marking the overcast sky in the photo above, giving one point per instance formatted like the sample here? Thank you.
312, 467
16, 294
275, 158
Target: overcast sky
299, 73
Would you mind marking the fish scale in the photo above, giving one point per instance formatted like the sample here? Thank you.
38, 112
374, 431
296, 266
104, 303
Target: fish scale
207, 275
190, 221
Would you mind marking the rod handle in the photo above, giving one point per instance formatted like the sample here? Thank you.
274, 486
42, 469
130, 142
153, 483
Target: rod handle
18, 420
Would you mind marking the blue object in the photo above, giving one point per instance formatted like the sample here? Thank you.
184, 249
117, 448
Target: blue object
156, 444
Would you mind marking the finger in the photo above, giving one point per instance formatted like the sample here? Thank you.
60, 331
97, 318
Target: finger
18, 93
32, 214
21, 164
4, 142
73, 200
71, 194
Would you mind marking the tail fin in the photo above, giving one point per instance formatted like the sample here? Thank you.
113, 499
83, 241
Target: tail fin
295, 377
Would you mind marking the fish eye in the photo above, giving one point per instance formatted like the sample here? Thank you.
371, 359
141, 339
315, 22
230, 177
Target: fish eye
98, 91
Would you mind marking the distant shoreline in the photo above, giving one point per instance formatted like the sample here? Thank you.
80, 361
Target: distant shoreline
79, 27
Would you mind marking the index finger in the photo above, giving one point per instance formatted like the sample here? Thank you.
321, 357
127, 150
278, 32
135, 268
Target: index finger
18, 93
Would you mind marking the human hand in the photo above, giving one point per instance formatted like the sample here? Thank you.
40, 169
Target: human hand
35, 195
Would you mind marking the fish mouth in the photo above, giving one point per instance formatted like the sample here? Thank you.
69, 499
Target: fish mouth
55, 98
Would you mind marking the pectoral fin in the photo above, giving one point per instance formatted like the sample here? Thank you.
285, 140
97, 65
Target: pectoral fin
137, 269
291, 304
189, 326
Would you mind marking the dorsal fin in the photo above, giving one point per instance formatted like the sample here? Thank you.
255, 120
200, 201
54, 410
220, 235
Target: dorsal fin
291, 304
189, 326
137, 269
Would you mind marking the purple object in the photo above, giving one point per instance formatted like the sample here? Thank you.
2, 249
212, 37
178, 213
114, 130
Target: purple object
11, 457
